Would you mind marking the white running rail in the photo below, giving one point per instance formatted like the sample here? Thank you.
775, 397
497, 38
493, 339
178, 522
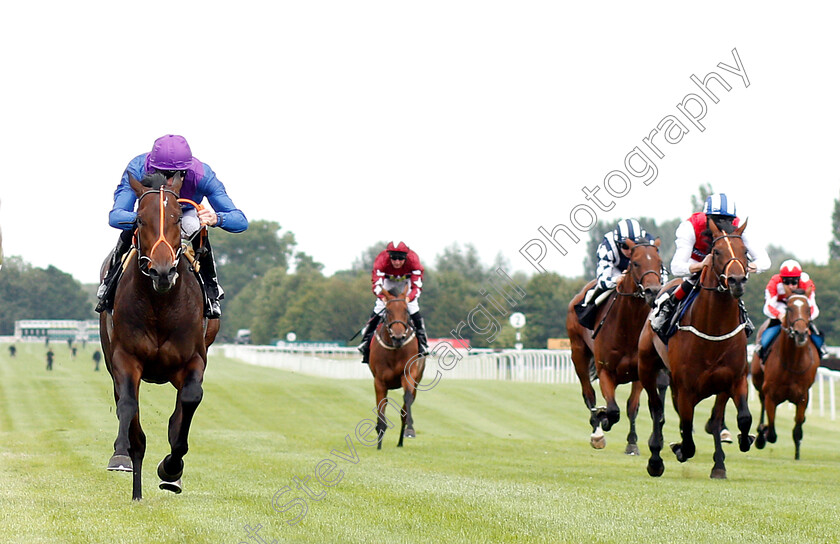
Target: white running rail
528, 365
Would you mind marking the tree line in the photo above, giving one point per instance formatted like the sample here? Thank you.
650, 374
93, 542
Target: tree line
272, 288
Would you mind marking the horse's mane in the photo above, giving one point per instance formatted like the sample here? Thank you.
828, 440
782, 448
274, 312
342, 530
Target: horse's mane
154, 181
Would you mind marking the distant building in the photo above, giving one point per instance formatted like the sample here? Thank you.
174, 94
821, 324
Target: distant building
57, 329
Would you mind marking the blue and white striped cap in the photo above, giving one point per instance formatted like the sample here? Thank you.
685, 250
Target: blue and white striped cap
628, 228
719, 204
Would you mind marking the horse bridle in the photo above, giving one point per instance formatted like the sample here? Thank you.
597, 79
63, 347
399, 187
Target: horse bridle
722, 279
143, 261
388, 324
789, 330
639, 292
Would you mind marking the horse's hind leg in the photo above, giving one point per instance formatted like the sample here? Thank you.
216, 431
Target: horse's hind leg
581, 357
799, 419
632, 412
190, 393
718, 413
761, 430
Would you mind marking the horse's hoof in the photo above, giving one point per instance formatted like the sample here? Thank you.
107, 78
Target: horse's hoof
718, 474
726, 436
597, 439
676, 447
174, 487
655, 468
632, 449
409, 433
162, 474
120, 463
760, 442
745, 443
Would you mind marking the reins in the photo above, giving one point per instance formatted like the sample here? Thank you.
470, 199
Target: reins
144, 261
388, 324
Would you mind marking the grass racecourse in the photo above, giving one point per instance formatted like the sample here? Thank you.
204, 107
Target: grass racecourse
492, 462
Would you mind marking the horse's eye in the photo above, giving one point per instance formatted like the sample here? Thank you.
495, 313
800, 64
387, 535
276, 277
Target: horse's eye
716, 252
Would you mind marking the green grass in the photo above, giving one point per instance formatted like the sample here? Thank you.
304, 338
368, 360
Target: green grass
492, 462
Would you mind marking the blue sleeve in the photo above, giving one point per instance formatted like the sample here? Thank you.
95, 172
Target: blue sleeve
230, 217
122, 215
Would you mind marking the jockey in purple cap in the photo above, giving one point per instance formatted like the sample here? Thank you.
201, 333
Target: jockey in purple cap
170, 155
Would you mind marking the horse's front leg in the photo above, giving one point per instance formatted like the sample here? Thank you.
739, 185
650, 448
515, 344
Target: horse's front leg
613, 413
799, 419
381, 401
685, 404
632, 412
761, 430
740, 394
188, 383
130, 445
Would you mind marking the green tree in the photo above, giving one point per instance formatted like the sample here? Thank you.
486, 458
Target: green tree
364, 262
244, 256
699, 200
834, 244
545, 307
36, 293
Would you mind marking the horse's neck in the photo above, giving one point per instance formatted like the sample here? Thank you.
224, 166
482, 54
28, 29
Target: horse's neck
714, 312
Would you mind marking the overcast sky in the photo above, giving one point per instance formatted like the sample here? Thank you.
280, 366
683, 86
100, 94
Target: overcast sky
431, 123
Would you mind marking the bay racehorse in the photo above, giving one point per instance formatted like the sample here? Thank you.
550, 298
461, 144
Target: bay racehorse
157, 332
706, 356
789, 371
395, 363
612, 348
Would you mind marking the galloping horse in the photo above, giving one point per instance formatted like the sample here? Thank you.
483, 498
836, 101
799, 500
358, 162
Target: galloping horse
157, 332
615, 345
394, 345
789, 371
706, 356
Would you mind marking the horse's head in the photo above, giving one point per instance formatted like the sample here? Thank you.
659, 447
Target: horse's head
646, 269
396, 317
797, 322
729, 259
158, 235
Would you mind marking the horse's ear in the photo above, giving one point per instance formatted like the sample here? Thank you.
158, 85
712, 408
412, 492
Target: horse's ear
716, 232
657, 242
177, 183
386, 294
405, 289
630, 243
740, 229
138, 187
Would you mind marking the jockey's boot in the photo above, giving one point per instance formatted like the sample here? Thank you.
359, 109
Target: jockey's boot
663, 314
367, 335
420, 331
815, 332
587, 310
212, 290
749, 328
106, 290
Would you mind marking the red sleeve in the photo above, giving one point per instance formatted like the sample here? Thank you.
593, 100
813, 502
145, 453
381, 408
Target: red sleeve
771, 296
416, 269
378, 274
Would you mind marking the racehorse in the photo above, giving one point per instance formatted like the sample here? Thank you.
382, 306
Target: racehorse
157, 332
706, 356
395, 363
612, 348
789, 371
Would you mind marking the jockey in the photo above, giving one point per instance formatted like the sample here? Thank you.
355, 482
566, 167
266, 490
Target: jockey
396, 266
171, 154
775, 304
613, 260
693, 244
